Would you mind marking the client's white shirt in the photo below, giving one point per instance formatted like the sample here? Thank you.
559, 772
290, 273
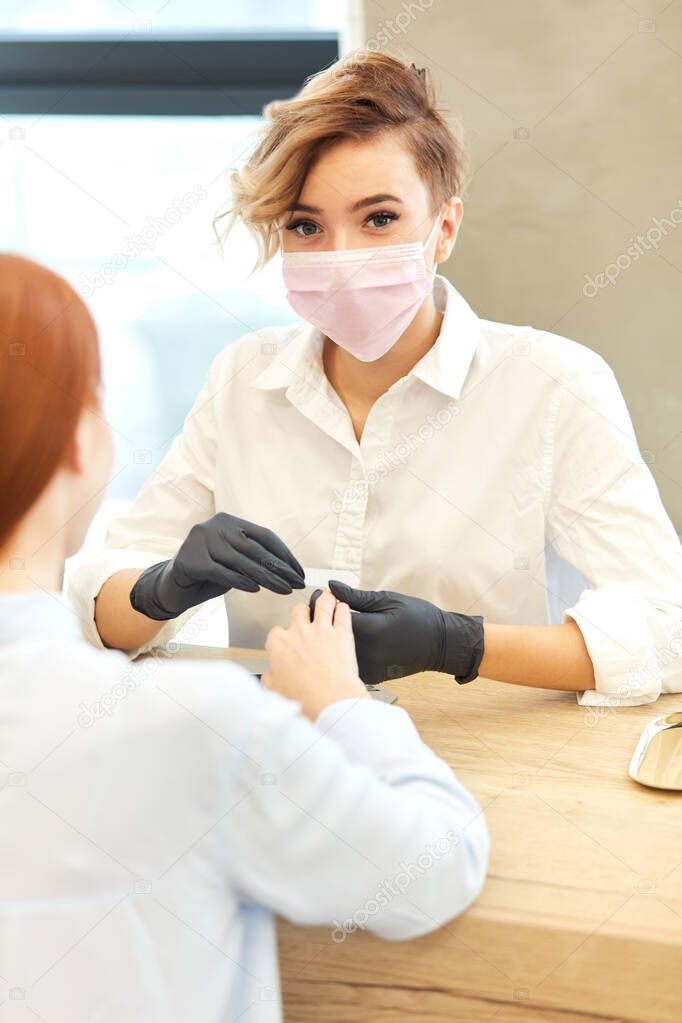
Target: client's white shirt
505, 451
155, 814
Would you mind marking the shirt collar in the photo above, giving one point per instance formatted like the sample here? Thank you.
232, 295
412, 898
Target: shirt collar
299, 356
447, 362
43, 615
444, 367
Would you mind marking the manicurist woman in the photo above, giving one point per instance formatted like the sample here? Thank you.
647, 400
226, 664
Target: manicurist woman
394, 435
155, 816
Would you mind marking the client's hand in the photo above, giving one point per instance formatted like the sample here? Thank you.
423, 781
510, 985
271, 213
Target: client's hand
314, 661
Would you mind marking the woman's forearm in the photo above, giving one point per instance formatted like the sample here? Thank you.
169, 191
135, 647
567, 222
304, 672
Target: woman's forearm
118, 624
545, 656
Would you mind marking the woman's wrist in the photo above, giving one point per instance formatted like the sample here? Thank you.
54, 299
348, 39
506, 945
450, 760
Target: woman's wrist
355, 689
543, 656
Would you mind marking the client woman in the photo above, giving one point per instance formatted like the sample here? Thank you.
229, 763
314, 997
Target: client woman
155, 816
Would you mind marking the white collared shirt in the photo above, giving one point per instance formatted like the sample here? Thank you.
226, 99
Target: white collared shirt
505, 452
154, 815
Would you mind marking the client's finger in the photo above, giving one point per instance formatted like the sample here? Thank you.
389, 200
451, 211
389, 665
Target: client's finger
342, 617
300, 614
324, 609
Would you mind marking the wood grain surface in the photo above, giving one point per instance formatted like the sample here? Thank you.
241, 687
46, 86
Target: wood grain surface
581, 914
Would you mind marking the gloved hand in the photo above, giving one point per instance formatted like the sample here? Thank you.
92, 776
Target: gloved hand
397, 635
224, 553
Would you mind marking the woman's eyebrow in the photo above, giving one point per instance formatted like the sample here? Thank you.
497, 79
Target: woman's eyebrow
304, 207
371, 200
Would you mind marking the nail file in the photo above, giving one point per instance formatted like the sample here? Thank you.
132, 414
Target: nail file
320, 576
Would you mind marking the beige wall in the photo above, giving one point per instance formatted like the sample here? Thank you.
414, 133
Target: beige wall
573, 110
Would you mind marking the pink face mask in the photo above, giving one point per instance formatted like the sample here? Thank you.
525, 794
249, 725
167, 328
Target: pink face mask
363, 299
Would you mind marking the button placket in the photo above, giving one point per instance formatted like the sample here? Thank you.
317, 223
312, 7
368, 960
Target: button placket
376, 437
354, 502
352, 508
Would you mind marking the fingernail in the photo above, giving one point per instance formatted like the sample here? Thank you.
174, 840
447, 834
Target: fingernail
293, 573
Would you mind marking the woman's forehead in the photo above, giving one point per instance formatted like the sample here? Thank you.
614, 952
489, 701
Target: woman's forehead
352, 171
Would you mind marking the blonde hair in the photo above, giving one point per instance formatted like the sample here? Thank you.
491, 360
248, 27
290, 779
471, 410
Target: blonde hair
359, 97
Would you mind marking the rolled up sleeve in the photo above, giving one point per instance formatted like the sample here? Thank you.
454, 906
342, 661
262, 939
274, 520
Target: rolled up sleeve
177, 495
606, 518
88, 579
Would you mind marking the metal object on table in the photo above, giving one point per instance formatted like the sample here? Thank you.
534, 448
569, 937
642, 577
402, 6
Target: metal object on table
254, 665
657, 760
257, 665
384, 695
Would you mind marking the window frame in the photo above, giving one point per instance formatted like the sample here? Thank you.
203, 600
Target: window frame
178, 74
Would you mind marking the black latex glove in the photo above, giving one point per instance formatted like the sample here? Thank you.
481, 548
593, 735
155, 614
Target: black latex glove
224, 553
396, 635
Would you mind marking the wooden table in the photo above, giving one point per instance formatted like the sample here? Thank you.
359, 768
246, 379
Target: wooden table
581, 916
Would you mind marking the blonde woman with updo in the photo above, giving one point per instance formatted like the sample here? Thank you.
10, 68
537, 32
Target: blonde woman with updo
429, 460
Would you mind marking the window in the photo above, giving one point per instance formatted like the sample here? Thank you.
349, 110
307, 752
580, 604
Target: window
114, 152
65, 17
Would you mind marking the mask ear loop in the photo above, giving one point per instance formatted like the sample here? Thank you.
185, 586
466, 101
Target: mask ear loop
428, 240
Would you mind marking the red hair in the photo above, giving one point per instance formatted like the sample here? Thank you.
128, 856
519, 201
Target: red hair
49, 372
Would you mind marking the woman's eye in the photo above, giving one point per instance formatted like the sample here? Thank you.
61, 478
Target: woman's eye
386, 217
302, 223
